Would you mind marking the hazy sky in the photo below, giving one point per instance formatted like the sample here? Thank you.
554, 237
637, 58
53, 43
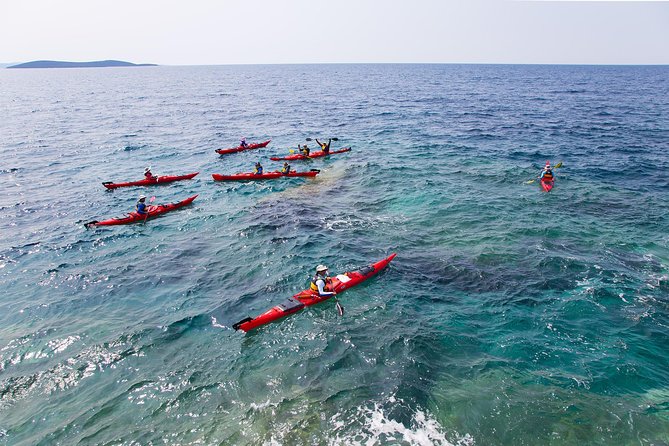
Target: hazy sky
207, 32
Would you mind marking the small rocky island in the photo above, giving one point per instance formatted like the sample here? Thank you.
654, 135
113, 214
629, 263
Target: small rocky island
94, 64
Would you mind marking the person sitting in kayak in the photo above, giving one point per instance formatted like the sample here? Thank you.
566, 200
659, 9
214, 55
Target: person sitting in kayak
258, 169
325, 147
304, 150
242, 143
141, 205
148, 175
320, 281
286, 168
547, 173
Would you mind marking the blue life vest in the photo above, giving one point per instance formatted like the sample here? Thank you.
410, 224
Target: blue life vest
141, 208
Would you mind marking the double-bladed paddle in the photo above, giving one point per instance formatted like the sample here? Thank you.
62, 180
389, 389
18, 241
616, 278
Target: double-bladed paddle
557, 166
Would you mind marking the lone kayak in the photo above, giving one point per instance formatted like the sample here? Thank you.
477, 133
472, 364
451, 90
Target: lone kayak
145, 182
259, 145
134, 217
547, 184
263, 176
309, 297
299, 156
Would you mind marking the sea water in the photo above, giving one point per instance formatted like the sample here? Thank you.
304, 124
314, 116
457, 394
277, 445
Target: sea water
510, 316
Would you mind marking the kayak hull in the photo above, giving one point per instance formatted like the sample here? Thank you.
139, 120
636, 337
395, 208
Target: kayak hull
309, 297
547, 185
259, 145
299, 156
263, 176
145, 182
134, 217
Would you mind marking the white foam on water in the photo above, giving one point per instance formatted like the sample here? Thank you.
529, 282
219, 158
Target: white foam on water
215, 323
378, 429
60, 345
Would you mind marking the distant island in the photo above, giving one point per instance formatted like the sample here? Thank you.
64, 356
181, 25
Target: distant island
94, 64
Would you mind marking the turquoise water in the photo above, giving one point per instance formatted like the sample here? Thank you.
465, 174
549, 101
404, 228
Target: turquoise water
509, 317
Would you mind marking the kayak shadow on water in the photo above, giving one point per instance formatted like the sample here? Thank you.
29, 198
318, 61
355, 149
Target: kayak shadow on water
312, 186
226, 314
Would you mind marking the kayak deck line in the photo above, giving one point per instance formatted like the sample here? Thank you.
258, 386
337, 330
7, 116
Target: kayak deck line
301, 156
243, 176
258, 145
159, 180
134, 216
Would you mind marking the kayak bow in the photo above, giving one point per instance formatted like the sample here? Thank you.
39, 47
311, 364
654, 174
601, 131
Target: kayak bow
309, 297
263, 176
145, 182
547, 184
242, 148
134, 217
299, 156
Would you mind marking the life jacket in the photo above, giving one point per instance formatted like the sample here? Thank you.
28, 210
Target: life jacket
285, 170
258, 170
317, 277
548, 175
148, 175
141, 208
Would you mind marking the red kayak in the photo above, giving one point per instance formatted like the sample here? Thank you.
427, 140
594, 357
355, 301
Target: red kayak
299, 156
263, 176
134, 217
145, 182
309, 297
259, 145
547, 184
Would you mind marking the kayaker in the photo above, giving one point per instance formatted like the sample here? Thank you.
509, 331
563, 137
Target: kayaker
258, 169
242, 143
286, 168
148, 175
325, 147
320, 281
141, 205
547, 173
304, 150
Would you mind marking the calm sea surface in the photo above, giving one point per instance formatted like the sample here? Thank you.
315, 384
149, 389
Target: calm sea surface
510, 316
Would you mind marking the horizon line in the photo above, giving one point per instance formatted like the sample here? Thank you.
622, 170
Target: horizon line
363, 63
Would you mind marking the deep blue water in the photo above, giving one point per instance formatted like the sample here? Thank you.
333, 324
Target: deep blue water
509, 317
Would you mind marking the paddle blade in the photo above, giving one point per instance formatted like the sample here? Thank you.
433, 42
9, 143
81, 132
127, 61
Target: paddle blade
530, 182
558, 165
340, 309
309, 139
335, 139
152, 199
291, 151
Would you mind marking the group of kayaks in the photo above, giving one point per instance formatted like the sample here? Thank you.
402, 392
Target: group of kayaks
156, 210
291, 305
300, 300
